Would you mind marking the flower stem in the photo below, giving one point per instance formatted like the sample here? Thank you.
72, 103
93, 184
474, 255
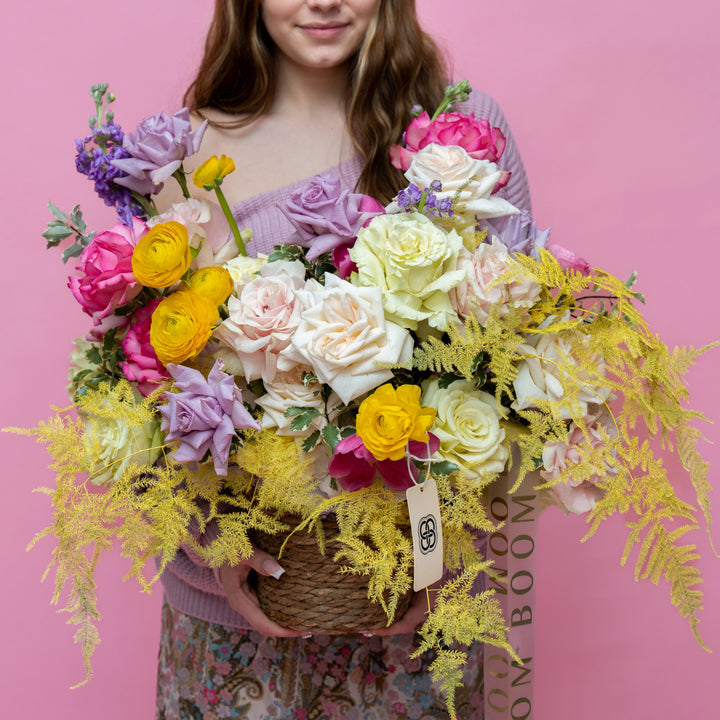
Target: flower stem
147, 205
179, 175
231, 220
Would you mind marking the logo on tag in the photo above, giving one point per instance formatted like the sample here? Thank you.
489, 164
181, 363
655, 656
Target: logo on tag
427, 534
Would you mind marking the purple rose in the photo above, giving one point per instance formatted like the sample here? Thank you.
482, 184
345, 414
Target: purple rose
157, 149
326, 216
141, 364
204, 415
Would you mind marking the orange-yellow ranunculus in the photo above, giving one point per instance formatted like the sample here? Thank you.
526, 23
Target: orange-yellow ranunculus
212, 171
162, 256
388, 419
181, 326
213, 282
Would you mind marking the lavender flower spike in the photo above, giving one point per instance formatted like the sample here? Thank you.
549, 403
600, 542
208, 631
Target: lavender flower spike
204, 415
157, 149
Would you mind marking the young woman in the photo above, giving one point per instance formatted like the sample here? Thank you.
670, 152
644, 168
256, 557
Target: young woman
291, 89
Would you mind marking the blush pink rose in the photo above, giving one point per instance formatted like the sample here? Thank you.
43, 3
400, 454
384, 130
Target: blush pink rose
479, 292
107, 281
568, 259
579, 494
262, 321
141, 364
476, 137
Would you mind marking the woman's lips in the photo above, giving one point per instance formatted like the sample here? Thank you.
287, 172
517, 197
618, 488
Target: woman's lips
323, 31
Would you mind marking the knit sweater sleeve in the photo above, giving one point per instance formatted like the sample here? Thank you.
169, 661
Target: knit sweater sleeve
484, 107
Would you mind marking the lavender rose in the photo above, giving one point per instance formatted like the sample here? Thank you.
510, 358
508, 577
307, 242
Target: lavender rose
157, 149
326, 216
204, 415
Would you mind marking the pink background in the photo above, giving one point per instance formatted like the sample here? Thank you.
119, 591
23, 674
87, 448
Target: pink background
616, 108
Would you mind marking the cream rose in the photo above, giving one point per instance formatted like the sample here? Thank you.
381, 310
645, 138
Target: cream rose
344, 336
542, 375
480, 291
461, 175
208, 230
289, 390
115, 445
468, 426
415, 265
261, 322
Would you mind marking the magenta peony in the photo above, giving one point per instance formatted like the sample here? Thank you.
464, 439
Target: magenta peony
107, 280
141, 364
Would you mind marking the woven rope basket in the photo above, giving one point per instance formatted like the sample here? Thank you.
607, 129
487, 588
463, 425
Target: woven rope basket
312, 594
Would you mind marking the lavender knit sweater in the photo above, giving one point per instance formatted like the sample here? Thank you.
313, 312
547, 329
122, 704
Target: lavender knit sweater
191, 586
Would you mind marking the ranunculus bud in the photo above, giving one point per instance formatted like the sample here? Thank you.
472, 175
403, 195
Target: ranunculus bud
212, 171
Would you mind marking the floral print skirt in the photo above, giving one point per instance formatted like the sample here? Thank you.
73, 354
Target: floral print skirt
209, 671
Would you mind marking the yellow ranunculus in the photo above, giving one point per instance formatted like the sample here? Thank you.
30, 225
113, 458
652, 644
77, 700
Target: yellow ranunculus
388, 419
213, 282
162, 256
212, 171
181, 326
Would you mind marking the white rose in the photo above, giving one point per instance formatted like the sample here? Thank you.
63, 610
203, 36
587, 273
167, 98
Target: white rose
414, 263
288, 390
344, 337
458, 172
541, 375
261, 322
115, 445
480, 291
243, 269
208, 230
468, 426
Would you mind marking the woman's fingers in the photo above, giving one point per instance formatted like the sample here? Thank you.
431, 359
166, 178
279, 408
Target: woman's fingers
242, 598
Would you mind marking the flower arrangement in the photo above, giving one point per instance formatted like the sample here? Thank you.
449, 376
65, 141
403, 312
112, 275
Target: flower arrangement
441, 338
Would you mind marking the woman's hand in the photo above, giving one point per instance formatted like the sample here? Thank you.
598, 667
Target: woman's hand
242, 598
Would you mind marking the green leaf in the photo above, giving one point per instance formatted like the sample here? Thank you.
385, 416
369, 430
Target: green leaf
93, 355
444, 468
302, 417
56, 232
72, 251
58, 213
76, 219
331, 435
310, 441
446, 379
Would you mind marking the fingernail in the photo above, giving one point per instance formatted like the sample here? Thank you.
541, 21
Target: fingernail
368, 634
272, 568
306, 636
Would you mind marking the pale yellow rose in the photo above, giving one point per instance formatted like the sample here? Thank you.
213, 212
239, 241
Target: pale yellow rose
468, 425
414, 263
115, 446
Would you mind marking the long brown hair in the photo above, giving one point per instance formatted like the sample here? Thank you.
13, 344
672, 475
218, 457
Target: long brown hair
397, 67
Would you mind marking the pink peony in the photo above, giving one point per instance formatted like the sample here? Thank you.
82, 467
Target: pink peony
476, 137
107, 281
568, 259
142, 365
